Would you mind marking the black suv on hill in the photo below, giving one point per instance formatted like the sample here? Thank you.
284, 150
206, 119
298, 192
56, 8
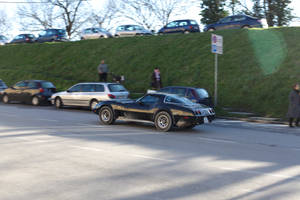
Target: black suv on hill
52, 35
31, 91
196, 95
180, 26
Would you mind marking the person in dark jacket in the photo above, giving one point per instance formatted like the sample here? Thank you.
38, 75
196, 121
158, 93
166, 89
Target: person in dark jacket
294, 106
156, 79
102, 71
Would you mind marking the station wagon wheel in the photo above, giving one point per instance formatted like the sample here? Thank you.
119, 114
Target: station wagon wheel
58, 102
211, 29
246, 27
93, 104
35, 101
106, 116
5, 99
186, 32
163, 121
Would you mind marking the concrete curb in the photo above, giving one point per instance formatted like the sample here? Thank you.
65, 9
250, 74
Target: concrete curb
261, 121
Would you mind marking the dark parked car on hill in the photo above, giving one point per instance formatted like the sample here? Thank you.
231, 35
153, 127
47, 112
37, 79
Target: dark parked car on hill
196, 95
23, 38
34, 92
165, 110
52, 35
235, 22
180, 26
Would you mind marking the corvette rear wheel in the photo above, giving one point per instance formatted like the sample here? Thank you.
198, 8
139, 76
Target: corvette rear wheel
163, 121
106, 116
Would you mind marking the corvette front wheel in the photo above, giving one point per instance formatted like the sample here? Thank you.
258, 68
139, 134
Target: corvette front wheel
106, 116
163, 121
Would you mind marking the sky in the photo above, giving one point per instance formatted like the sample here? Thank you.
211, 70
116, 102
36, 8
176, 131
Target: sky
193, 12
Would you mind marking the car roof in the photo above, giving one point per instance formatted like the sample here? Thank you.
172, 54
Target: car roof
180, 20
186, 87
102, 83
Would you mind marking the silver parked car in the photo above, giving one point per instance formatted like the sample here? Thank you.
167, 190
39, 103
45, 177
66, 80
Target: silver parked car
131, 30
89, 94
95, 33
3, 40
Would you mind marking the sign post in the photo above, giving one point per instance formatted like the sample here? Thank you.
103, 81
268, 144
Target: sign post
216, 48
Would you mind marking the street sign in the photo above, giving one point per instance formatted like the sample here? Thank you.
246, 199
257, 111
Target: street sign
216, 44
216, 48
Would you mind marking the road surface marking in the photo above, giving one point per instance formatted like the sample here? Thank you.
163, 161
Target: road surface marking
127, 154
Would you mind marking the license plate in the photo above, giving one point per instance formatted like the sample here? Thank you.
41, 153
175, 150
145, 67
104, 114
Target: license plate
206, 120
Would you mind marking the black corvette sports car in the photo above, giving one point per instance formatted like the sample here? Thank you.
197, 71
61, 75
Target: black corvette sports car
165, 110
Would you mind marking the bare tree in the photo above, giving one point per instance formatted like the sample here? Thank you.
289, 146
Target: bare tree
165, 9
137, 11
72, 14
103, 18
152, 13
36, 17
4, 25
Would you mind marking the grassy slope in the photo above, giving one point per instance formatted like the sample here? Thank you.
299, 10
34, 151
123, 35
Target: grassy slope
256, 71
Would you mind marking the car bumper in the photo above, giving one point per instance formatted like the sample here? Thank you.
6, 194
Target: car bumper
44, 98
195, 120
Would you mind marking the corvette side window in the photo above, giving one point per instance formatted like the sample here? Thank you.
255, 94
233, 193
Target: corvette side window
149, 99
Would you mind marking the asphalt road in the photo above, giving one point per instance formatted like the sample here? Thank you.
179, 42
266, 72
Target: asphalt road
65, 154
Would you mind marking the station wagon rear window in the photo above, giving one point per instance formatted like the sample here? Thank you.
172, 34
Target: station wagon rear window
116, 88
47, 85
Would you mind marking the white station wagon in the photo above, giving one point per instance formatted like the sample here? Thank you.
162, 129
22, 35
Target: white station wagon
89, 94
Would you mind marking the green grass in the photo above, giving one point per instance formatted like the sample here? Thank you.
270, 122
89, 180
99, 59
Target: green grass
255, 73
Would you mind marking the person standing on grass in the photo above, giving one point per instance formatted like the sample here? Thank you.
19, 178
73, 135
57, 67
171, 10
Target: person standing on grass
102, 71
156, 79
294, 106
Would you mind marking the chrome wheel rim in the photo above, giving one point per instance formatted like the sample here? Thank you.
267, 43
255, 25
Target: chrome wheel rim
105, 115
163, 121
93, 105
35, 101
5, 99
57, 103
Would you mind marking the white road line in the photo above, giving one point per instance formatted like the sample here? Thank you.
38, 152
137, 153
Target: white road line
48, 120
127, 154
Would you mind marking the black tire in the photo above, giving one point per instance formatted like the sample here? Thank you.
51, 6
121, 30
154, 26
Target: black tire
211, 29
58, 103
106, 116
5, 99
35, 101
186, 32
163, 121
93, 104
246, 27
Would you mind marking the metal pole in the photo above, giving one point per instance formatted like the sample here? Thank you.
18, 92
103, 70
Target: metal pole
216, 80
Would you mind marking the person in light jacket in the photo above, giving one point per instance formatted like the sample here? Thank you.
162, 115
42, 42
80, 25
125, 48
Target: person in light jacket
294, 106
